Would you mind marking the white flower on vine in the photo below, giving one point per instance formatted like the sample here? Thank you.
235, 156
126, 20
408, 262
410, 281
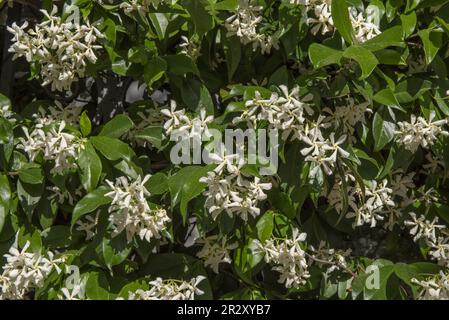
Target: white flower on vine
61, 49
55, 144
435, 287
215, 251
88, 225
288, 258
131, 212
244, 24
420, 227
170, 290
229, 190
25, 271
420, 132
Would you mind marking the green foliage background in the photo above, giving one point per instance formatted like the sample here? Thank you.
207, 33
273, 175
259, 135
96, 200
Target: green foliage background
330, 67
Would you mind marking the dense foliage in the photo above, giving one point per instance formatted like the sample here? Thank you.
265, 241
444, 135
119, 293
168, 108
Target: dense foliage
92, 205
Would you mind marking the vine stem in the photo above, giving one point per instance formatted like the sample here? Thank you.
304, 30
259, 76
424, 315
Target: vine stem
338, 264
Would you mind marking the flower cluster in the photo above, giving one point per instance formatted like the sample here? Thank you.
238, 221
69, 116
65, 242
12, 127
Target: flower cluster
61, 50
363, 23
434, 288
214, 251
179, 124
288, 258
420, 132
292, 116
25, 271
169, 290
347, 116
230, 190
284, 111
190, 48
141, 6
5, 111
244, 24
331, 258
436, 237
131, 212
372, 204
54, 143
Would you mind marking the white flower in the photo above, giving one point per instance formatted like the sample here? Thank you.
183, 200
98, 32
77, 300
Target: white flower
190, 48
5, 111
25, 271
435, 164
420, 132
378, 198
169, 290
130, 211
88, 225
75, 285
334, 259
364, 28
230, 191
55, 144
402, 184
422, 228
142, 6
435, 287
323, 153
440, 251
347, 116
321, 16
244, 24
287, 258
177, 121
215, 251
285, 112
61, 49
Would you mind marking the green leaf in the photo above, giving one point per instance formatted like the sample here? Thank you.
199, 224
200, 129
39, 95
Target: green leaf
185, 186
57, 237
117, 127
5, 197
380, 293
233, 53
152, 134
365, 58
321, 56
340, 16
180, 64
386, 97
31, 175
85, 124
411, 89
265, 226
6, 142
90, 167
432, 41
408, 23
202, 19
392, 37
97, 286
383, 131
90, 203
4, 101
115, 250
112, 149
29, 196
154, 70
157, 184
